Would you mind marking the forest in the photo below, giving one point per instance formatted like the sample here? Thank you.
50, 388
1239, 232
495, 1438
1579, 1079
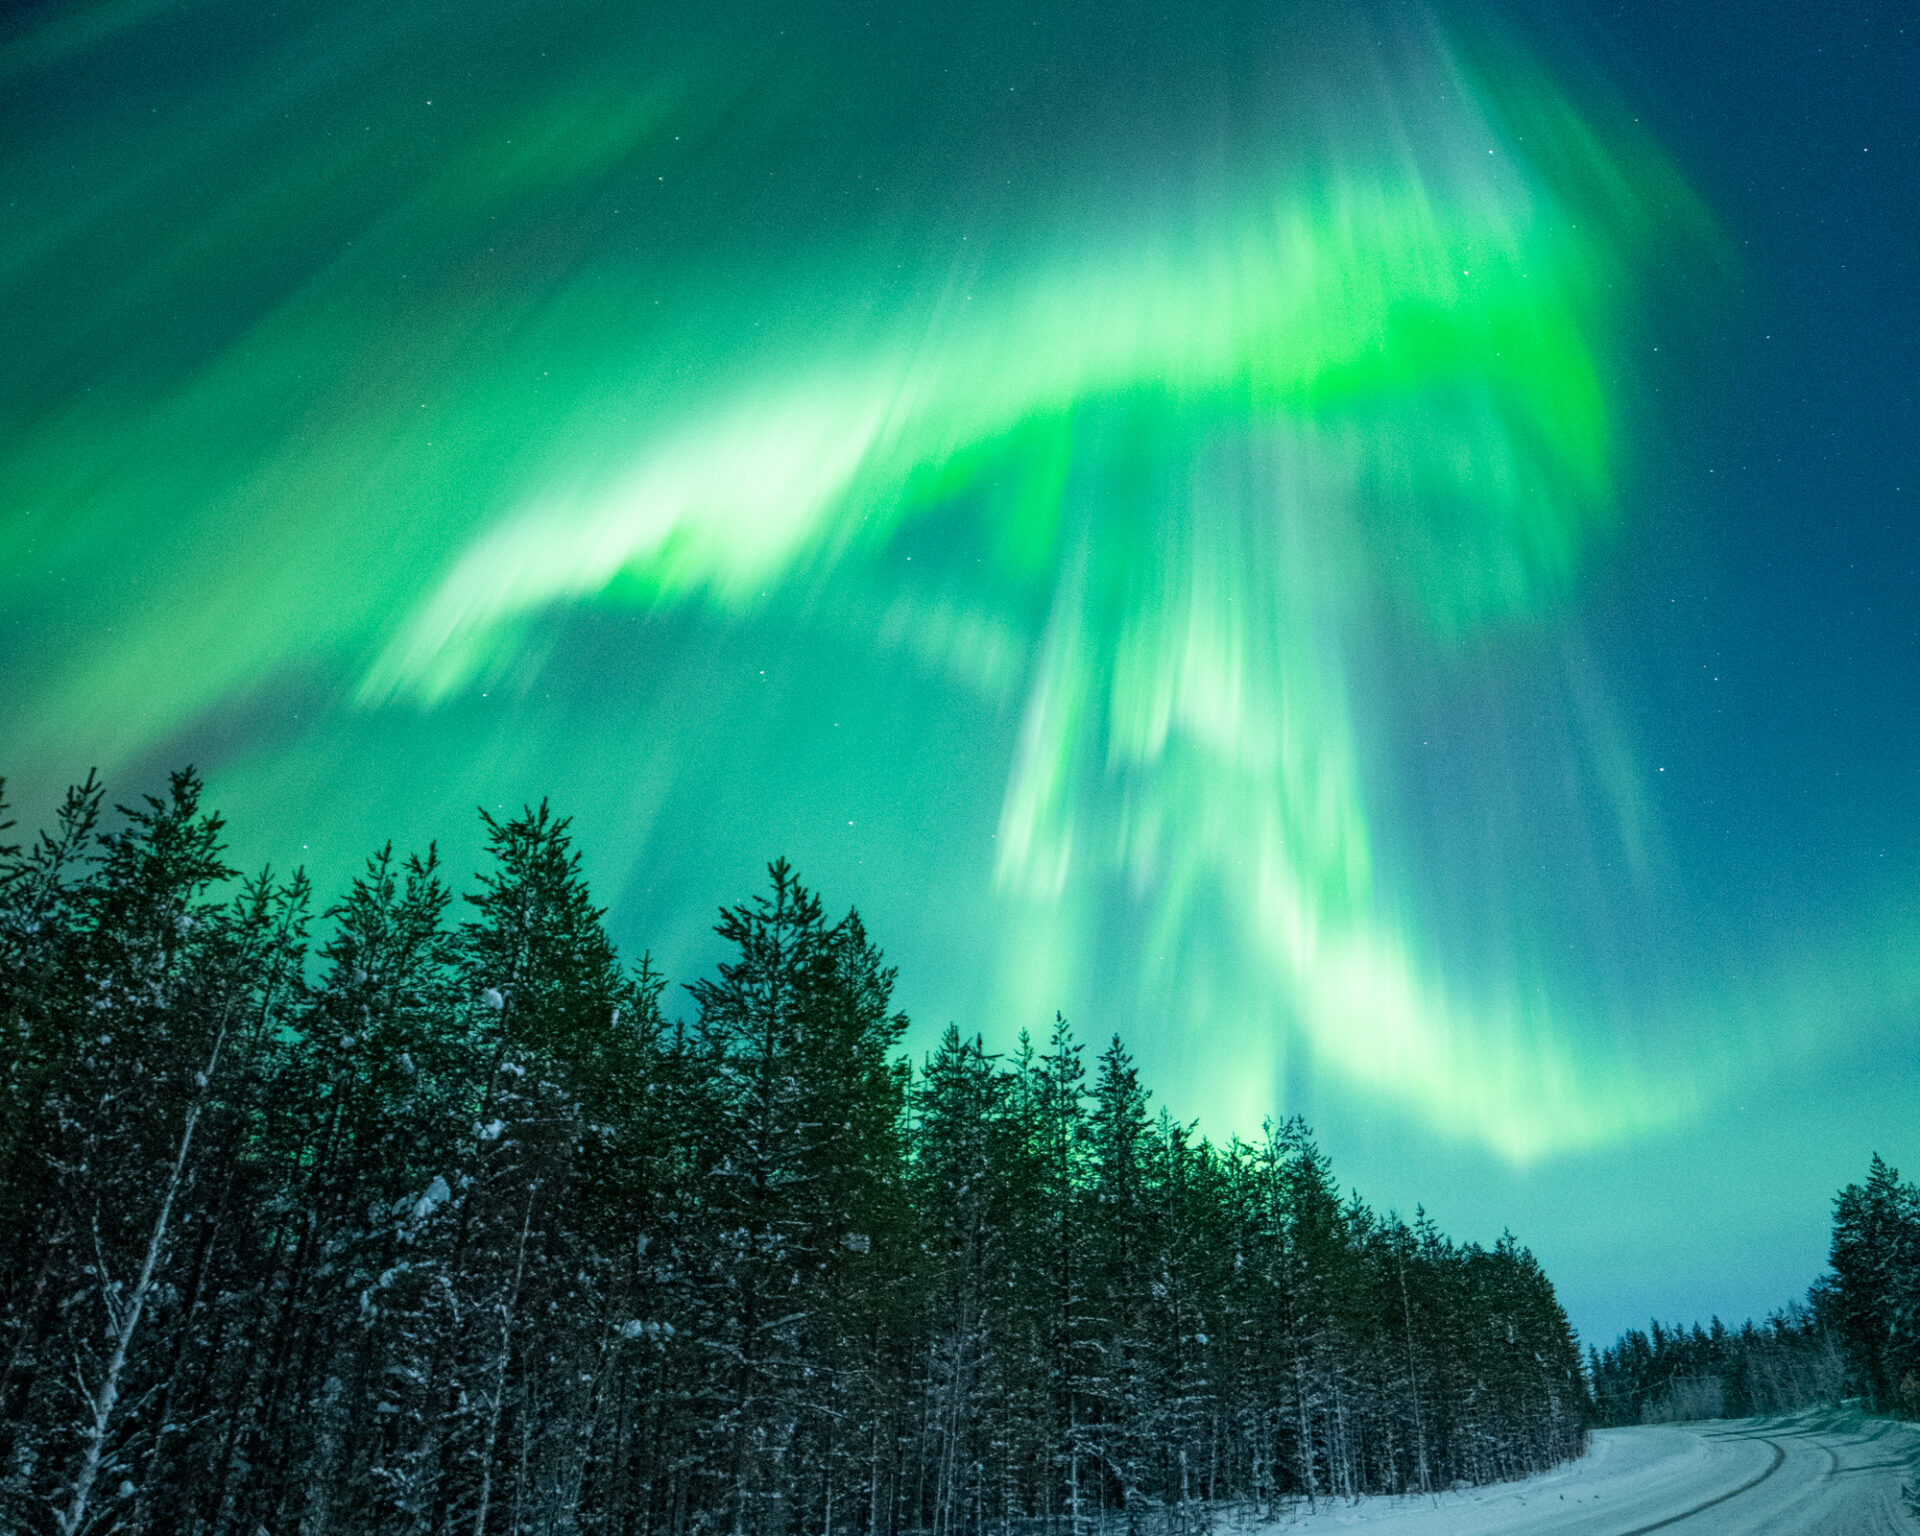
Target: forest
423, 1212
1675, 1374
1856, 1336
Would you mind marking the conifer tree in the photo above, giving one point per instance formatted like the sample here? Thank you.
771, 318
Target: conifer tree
1876, 1267
959, 1127
368, 1099
451, 1228
1118, 1139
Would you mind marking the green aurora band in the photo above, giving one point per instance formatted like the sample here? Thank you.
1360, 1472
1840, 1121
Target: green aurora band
364, 347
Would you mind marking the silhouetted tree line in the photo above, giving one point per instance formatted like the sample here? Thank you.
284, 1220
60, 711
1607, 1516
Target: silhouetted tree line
427, 1217
1857, 1335
1790, 1361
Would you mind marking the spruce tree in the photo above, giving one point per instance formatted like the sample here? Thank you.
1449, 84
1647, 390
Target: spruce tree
1876, 1267
462, 1233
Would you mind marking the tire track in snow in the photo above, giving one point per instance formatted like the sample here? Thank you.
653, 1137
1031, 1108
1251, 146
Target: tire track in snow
1779, 1456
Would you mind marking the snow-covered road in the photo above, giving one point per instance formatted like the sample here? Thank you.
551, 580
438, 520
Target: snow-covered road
1812, 1475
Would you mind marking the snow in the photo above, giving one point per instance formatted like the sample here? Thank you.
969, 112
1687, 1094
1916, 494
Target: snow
1721, 1476
437, 1194
1622, 1468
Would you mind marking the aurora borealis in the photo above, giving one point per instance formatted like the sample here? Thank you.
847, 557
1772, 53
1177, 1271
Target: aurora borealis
1174, 514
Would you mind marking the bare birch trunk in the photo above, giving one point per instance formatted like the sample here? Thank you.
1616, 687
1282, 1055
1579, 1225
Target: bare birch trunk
507, 1311
127, 1323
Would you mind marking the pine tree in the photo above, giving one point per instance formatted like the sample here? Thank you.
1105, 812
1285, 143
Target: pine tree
1118, 1386
1876, 1266
43, 1003
462, 1234
367, 1098
959, 1117
548, 1013
1054, 1107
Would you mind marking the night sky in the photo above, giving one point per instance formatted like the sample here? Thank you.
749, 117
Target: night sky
1370, 550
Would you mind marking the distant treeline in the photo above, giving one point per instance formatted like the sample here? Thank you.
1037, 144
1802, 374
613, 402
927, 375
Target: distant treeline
1790, 1361
1857, 1335
425, 1217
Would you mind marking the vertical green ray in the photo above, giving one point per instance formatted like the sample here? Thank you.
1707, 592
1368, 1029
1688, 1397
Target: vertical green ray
366, 351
